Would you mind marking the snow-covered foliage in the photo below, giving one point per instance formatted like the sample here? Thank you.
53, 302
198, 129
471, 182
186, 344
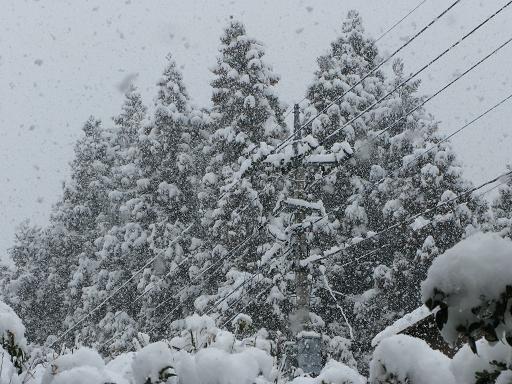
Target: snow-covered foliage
402, 359
471, 283
8, 372
81, 366
492, 360
12, 330
153, 364
333, 373
224, 360
13, 347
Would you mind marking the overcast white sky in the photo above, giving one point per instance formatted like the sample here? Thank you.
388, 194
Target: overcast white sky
61, 61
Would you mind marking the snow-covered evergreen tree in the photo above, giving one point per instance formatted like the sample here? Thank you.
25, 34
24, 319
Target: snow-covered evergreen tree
374, 190
103, 268
405, 180
175, 139
246, 115
341, 190
24, 289
53, 255
152, 202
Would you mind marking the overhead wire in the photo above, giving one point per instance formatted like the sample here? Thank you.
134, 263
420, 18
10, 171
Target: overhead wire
400, 21
375, 69
415, 216
425, 67
433, 21
441, 90
368, 74
506, 175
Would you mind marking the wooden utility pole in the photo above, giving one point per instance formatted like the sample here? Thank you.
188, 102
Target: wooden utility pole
308, 343
300, 249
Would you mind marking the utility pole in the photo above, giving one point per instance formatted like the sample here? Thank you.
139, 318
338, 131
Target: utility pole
300, 249
308, 343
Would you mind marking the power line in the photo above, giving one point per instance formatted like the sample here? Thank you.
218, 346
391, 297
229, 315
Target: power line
374, 251
292, 136
172, 311
232, 292
218, 263
415, 216
437, 93
247, 305
228, 256
216, 304
386, 60
329, 254
405, 221
405, 165
405, 81
387, 245
378, 101
364, 77
373, 70
359, 82
442, 89
400, 21
258, 272
409, 78
445, 139
421, 70
447, 50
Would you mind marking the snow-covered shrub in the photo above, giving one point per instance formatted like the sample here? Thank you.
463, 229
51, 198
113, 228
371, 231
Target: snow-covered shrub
83, 366
334, 372
214, 365
123, 365
197, 332
220, 358
339, 349
193, 333
403, 359
153, 364
492, 361
471, 284
8, 372
202, 353
224, 361
12, 334
242, 324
